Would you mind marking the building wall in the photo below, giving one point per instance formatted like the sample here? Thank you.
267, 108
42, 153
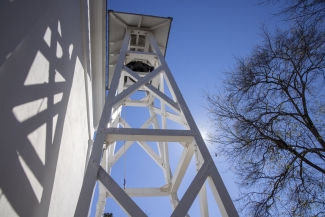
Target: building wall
45, 98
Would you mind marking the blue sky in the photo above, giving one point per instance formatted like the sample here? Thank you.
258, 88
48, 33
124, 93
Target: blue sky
205, 37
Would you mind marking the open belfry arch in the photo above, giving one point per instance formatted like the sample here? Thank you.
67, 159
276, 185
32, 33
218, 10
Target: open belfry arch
137, 46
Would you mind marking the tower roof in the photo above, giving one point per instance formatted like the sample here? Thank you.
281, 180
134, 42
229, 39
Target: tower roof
118, 22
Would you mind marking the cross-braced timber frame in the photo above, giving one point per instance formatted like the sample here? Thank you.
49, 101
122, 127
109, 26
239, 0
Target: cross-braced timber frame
103, 158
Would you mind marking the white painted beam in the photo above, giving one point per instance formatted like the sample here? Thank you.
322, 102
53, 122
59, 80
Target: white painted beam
115, 157
151, 153
135, 103
146, 192
100, 206
90, 178
170, 116
174, 201
101, 202
120, 152
141, 55
140, 21
203, 202
220, 193
153, 90
114, 134
125, 202
182, 166
186, 202
126, 93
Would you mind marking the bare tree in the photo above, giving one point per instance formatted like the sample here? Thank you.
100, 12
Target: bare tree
304, 10
269, 121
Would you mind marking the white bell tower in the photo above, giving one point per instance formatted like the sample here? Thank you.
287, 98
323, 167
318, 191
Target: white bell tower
137, 46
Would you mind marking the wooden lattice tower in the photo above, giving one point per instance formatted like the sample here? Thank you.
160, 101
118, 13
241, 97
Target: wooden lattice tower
144, 42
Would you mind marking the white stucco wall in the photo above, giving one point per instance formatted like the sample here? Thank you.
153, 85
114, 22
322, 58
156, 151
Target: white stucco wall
45, 102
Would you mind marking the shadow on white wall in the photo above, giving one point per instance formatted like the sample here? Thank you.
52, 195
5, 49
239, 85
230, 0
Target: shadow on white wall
40, 53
